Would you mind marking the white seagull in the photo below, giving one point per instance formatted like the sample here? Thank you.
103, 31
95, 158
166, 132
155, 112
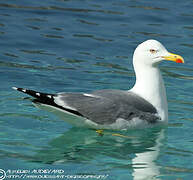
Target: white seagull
145, 105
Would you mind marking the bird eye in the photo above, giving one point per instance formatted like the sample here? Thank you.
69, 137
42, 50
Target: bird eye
152, 51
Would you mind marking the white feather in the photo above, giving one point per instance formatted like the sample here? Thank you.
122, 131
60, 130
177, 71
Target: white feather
90, 95
62, 103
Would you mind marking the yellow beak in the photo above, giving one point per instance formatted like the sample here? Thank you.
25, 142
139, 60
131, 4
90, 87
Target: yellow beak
174, 57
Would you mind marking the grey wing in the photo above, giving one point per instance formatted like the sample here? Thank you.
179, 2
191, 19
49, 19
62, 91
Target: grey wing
106, 106
99, 109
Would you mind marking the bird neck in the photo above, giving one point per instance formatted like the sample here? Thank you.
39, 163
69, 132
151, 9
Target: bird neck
150, 86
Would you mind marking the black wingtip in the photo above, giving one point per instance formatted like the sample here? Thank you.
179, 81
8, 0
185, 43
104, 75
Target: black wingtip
20, 89
44, 98
36, 94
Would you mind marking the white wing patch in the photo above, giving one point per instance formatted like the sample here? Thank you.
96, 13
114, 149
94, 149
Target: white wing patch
90, 95
24, 90
14, 88
62, 103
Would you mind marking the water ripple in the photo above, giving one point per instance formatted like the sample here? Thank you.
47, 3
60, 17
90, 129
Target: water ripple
79, 46
92, 37
158, 34
149, 8
26, 66
59, 8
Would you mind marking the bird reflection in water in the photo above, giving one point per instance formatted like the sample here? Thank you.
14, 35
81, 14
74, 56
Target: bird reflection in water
136, 151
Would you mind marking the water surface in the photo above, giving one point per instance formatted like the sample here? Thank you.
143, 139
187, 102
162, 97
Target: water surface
84, 45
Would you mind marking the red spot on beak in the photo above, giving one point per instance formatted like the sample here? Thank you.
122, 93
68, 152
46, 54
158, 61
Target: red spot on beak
179, 61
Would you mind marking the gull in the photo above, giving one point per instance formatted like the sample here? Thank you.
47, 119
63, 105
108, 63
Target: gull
144, 105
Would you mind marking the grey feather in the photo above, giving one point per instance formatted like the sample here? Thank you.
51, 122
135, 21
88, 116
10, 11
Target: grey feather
106, 106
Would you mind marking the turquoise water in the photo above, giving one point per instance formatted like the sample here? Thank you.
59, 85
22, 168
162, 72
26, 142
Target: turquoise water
80, 46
